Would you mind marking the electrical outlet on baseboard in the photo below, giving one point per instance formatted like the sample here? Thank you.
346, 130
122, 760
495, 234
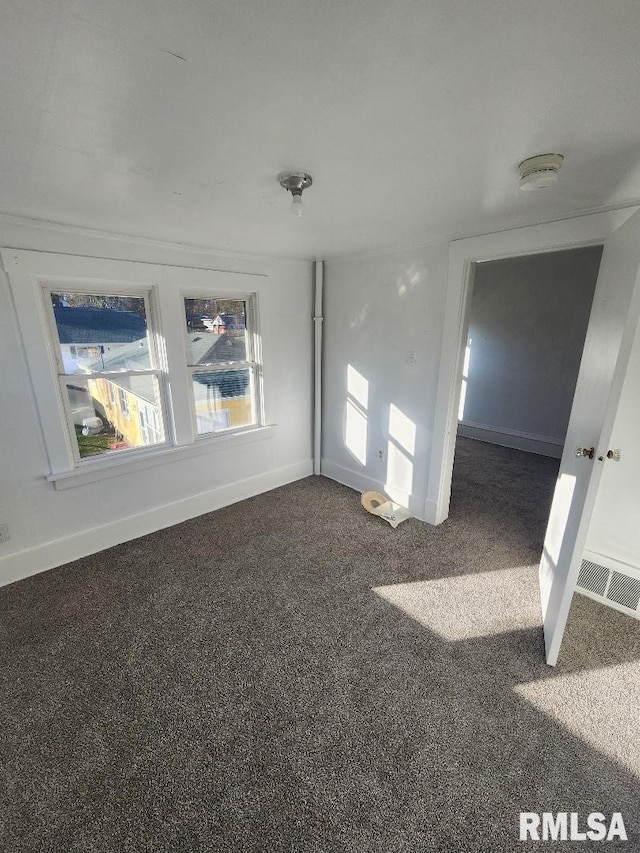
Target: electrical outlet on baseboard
4, 533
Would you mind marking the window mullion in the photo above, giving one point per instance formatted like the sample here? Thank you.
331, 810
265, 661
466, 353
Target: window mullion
114, 374
220, 367
171, 306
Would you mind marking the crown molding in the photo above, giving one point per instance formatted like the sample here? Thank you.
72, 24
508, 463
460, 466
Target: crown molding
11, 219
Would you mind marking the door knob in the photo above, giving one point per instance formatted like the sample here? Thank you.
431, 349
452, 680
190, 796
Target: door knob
586, 452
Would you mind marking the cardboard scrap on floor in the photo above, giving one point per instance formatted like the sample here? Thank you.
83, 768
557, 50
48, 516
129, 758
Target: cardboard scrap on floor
380, 505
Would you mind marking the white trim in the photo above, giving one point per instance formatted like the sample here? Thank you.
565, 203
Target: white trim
31, 561
439, 239
463, 255
430, 511
11, 219
612, 563
348, 477
530, 442
361, 483
253, 352
220, 366
28, 271
116, 236
62, 267
127, 463
113, 375
47, 286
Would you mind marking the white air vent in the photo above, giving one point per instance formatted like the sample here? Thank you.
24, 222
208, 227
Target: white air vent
610, 582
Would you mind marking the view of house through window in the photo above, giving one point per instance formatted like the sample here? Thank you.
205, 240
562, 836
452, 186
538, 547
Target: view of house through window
222, 364
107, 370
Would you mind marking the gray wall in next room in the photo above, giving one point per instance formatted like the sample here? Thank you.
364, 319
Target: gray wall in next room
528, 322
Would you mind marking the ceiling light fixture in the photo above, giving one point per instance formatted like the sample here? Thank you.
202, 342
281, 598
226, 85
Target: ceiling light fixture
540, 171
295, 182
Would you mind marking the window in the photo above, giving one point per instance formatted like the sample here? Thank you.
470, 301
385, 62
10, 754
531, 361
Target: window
107, 369
123, 400
149, 424
222, 363
134, 363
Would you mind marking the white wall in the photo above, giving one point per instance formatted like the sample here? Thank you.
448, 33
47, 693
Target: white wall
377, 311
48, 527
528, 321
615, 524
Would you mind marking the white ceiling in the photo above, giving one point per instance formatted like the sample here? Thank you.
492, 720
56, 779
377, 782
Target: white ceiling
411, 116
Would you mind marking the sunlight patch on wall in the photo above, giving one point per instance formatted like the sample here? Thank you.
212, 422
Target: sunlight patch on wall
408, 281
356, 427
465, 380
615, 735
474, 605
399, 474
359, 320
356, 433
357, 387
402, 429
400, 450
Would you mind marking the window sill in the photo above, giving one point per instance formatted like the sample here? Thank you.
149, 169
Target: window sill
105, 469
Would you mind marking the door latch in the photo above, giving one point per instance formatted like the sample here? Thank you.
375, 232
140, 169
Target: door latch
586, 452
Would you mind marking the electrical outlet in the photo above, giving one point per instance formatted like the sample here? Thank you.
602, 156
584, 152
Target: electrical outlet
411, 358
381, 454
4, 533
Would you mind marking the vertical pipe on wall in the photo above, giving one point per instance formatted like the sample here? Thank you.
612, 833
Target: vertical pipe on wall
317, 328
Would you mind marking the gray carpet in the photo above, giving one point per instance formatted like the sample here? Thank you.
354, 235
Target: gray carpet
291, 674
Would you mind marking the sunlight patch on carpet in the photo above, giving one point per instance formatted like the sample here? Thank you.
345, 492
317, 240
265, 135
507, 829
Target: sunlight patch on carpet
474, 605
600, 706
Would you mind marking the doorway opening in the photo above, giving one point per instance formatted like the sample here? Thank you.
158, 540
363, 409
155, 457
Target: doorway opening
604, 365
525, 328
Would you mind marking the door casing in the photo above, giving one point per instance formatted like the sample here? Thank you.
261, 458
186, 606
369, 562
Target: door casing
463, 256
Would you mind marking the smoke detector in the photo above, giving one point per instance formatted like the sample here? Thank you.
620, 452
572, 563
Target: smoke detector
540, 171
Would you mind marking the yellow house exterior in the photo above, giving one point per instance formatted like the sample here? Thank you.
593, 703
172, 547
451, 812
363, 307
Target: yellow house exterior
134, 419
138, 422
236, 411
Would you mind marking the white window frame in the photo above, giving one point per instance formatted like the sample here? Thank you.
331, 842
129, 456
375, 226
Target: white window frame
253, 363
124, 402
157, 369
29, 271
149, 426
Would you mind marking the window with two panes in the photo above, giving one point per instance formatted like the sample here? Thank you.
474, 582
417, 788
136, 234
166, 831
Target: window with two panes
222, 363
107, 368
114, 385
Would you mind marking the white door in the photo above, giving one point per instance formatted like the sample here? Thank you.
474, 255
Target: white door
612, 325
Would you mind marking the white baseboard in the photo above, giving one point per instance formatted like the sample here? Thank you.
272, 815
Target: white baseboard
362, 483
31, 561
626, 568
431, 515
354, 479
530, 442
